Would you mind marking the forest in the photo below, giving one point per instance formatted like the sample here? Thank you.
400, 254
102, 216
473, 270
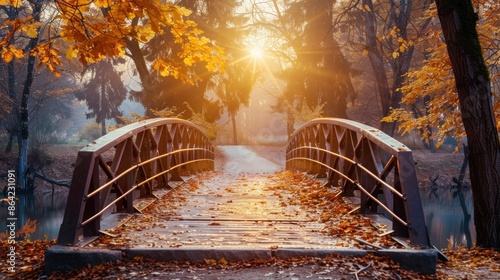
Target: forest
421, 67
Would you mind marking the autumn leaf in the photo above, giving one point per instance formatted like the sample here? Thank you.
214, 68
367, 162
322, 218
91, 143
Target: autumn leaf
31, 29
10, 52
7, 55
13, 3
101, 3
223, 262
210, 261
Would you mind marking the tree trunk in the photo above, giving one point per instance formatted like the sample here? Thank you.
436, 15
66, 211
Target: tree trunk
235, 133
22, 161
290, 121
140, 64
458, 22
13, 119
103, 127
377, 64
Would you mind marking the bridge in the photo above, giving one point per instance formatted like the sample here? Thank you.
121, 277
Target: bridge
168, 165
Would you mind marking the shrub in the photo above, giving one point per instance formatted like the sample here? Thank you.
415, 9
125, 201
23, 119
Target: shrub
90, 132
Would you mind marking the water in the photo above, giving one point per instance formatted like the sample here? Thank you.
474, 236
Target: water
447, 223
47, 209
442, 209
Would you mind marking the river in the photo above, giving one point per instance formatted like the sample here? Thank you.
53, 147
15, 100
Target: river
47, 209
449, 220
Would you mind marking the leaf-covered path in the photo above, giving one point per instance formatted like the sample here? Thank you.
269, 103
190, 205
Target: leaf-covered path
249, 204
239, 207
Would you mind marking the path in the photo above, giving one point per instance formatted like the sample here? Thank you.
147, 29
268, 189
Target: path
232, 208
241, 159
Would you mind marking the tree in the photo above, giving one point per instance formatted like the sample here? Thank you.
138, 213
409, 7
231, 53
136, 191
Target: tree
430, 97
94, 30
49, 123
8, 53
458, 21
316, 71
327, 71
234, 87
104, 93
389, 32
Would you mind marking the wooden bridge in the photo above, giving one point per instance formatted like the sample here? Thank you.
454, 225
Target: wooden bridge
148, 159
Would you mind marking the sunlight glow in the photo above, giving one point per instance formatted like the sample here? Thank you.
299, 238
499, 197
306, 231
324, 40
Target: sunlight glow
256, 53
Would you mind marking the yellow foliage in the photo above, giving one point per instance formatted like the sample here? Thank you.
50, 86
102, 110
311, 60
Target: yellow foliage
434, 82
94, 30
9, 52
101, 3
48, 56
31, 29
13, 3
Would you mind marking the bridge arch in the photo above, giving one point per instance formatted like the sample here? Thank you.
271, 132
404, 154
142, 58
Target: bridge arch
355, 156
141, 156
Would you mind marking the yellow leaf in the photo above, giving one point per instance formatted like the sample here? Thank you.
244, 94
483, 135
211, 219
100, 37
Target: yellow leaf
188, 60
210, 261
72, 52
183, 11
395, 54
31, 29
393, 32
223, 262
101, 3
7, 55
160, 66
367, 8
18, 53
13, 3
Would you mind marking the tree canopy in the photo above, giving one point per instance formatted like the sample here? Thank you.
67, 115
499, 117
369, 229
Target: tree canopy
430, 96
44, 32
93, 30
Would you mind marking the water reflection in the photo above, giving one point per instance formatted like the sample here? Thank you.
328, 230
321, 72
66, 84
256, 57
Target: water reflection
449, 217
47, 209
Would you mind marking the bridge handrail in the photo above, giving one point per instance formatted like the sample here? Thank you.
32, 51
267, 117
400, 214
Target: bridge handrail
358, 156
144, 156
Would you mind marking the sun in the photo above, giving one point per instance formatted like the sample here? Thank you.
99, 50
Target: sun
256, 53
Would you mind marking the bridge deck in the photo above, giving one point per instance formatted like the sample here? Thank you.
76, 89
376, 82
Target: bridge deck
239, 208
222, 211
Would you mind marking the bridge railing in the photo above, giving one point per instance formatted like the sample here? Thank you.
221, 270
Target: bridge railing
127, 163
355, 156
